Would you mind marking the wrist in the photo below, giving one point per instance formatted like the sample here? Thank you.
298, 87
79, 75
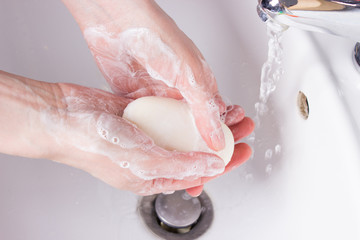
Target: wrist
25, 105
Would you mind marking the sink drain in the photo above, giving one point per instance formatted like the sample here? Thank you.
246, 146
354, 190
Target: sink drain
303, 105
177, 216
357, 54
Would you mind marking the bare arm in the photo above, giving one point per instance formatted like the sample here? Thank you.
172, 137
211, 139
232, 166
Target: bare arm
82, 127
23, 103
115, 15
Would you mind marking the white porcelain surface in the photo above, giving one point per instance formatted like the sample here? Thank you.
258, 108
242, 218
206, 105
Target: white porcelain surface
309, 188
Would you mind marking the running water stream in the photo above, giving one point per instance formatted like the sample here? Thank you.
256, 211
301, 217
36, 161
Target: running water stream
272, 69
266, 129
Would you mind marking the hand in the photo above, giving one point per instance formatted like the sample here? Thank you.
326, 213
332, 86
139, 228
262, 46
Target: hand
92, 136
82, 127
142, 52
240, 127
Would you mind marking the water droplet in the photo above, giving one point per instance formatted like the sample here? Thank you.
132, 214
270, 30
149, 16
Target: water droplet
268, 169
268, 154
277, 149
249, 177
251, 137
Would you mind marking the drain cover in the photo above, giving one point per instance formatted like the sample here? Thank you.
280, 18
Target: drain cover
357, 53
303, 105
177, 216
178, 210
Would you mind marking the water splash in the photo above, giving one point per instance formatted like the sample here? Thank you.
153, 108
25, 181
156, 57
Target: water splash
271, 73
272, 69
268, 169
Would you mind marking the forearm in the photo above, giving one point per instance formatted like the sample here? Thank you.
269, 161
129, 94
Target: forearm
24, 105
114, 15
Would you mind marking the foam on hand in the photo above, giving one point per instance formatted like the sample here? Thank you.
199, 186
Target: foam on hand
171, 125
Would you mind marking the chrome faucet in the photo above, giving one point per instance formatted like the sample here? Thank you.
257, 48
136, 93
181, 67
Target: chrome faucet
338, 17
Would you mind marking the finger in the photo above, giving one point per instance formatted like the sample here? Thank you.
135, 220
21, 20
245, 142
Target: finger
80, 98
234, 115
195, 191
161, 185
242, 129
207, 119
178, 166
155, 90
242, 153
220, 103
116, 59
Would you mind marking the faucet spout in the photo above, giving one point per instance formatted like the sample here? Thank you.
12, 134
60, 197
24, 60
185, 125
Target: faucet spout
338, 17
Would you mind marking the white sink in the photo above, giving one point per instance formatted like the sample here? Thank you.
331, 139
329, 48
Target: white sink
308, 188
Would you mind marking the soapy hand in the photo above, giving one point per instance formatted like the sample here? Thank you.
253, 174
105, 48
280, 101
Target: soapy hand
240, 127
96, 139
82, 127
141, 52
137, 63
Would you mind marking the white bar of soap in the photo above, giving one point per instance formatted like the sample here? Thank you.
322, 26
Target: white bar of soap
171, 125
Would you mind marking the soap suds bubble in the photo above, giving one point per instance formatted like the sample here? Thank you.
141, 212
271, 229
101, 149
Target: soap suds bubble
115, 140
143, 175
167, 193
223, 117
212, 104
190, 76
192, 81
103, 133
124, 164
154, 74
